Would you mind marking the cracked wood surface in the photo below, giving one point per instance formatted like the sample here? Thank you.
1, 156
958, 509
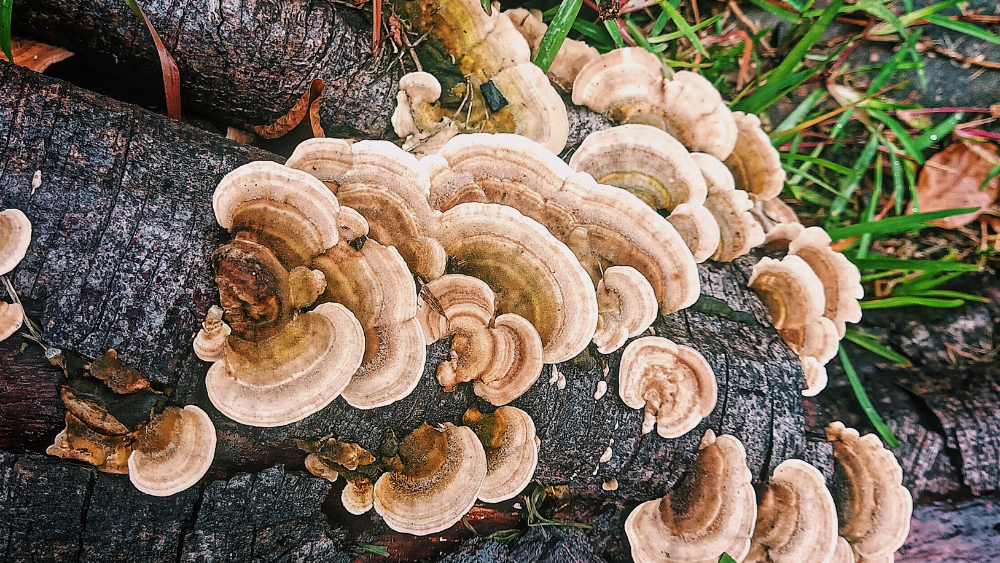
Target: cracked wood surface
123, 228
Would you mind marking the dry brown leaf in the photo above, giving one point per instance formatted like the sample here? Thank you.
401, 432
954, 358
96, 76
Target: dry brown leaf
951, 179
34, 55
308, 103
171, 76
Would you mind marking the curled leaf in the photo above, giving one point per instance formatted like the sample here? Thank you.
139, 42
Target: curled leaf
307, 104
36, 56
953, 179
171, 76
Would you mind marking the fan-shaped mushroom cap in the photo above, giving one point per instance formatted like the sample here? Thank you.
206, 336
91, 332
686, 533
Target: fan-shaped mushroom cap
873, 507
820, 340
508, 436
533, 274
618, 78
739, 232
644, 160
358, 497
316, 466
174, 453
796, 520
698, 228
695, 115
773, 212
295, 194
626, 307
791, 293
15, 236
841, 279
11, 317
292, 375
755, 162
536, 109
674, 383
604, 226
387, 186
814, 373
440, 474
375, 284
844, 553
503, 355
209, 342
572, 55
424, 126
711, 512
781, 235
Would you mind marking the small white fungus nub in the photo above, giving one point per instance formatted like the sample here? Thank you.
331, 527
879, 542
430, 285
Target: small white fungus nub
602, 388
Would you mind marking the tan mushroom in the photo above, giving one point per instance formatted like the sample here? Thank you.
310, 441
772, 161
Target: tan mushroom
174, 452
508, 436
755, 162
739, 232
698, 229
712, 511
502, 355
374, 283
288, 377
604, 226
11, 318
385, 185
841, 279
780, 223
208, 344
572, 55
627, 84
626, 306
796, 520
814, 374
533, 275
844, 553
423, 124
873, 506
492, 54
288, 211
438, 477
644, 160
15, 236
674, 384
358, 497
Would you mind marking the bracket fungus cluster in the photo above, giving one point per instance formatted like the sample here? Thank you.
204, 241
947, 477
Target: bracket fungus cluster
572, 56
810, 294
503, 91
674, 384
15, 236
711, 512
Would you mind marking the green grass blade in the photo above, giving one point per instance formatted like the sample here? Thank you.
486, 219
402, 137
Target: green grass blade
850, 184
993, 173
773, 91
789, 17
869, 213
616, 35
888, 263
879, 10
556, 33
801, 172
936, 133
896, 167
683, 27
943, 294
798, 114
637, 35
797, 53
904, 138
655, 37
895, 224
921, 14
907, 301
925, 281
375, 549
866, 404
869, 343
840, 169
963, 27
6, 9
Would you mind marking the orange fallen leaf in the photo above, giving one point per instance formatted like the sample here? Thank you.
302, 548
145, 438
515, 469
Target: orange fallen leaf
34, 55
951, 179
308, 103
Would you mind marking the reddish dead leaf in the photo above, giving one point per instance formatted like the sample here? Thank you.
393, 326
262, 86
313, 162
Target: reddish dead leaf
951, 179
307, 104
34, 55
171, 76
239, 135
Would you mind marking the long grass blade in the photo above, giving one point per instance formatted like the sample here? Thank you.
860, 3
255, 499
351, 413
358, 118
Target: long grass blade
6, 9
866, 404
798, 52
869, 343
907, 301
869, 213
939, 131
895, 224
887, 263
850, 184
556, 33
683, 27
963, 27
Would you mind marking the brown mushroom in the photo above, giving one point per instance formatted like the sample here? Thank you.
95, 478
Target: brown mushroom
108, 453
755, 162
698, 228
208, 344
15, 236
712, 511
674, 384
841, 278
11, 318
174, 452
508, 436
738, 230
626, 306
502, 355
437, 481
572, 55
873, 507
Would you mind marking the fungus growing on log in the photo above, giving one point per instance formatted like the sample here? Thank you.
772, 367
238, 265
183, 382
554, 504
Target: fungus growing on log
436, 480
508, 436
572, 55
424, 125
209, 342
698, 228
873, 507
711, 512
781, 225
674, 384
15, 236
626, 307
739, 232
108, 453
754, 161
173, 452
11, 318
488, 50
628, 85
296, 373
604, 226
841, 279
796, 520
645, 161
503, 355
388, 187
374, 283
